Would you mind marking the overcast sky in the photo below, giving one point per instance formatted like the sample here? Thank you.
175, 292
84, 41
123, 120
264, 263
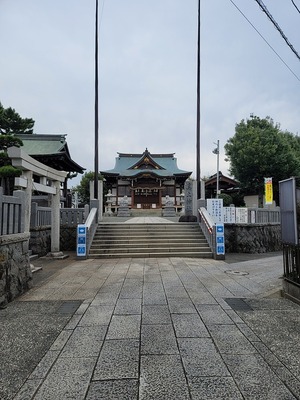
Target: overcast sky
147, 73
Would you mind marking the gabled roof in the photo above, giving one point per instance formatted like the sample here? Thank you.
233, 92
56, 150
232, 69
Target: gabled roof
51, 150
133, 165
224, 180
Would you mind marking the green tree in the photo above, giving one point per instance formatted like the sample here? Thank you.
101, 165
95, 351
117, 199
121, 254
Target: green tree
261, 149
12, 123
83, 189
7, 171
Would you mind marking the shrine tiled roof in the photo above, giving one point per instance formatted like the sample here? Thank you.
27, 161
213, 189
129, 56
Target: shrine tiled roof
160, 165
50, 149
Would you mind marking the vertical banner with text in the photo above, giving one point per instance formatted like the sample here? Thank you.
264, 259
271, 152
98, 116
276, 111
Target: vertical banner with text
268, 191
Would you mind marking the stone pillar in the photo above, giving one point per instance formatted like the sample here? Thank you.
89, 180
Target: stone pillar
55, 220
28, 193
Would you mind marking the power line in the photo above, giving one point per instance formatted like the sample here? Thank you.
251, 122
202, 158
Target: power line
265, 40
266, 11
295, 6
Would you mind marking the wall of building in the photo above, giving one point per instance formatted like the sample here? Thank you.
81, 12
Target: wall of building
252, 238
15, 271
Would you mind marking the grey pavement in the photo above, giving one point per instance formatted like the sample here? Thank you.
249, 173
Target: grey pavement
158, 328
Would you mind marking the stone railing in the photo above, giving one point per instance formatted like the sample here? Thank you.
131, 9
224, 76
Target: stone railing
12, 213
41, 216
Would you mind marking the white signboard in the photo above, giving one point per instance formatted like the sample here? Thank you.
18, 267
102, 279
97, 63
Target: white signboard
215, 209
241, 215
229, 215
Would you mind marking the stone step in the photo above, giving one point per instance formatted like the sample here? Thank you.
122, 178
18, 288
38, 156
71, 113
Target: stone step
149, 240
182, 254
163, 241
144, 245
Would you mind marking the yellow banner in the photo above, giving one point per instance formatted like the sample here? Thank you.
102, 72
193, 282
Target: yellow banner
268, 191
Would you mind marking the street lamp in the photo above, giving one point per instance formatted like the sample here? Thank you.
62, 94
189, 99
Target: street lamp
217, 152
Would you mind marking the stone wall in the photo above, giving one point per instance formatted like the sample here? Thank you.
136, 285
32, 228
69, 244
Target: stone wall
68, 238
15, 271
40, 239
254, 238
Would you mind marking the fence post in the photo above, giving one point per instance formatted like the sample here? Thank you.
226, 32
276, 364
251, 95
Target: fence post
34, 215
1, 207
22, 215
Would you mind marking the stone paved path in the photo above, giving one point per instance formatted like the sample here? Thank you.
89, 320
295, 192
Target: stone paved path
158, 329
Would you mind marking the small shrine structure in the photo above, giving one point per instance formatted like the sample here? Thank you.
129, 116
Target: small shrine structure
146, 179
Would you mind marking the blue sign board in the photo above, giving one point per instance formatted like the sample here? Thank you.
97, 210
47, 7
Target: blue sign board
220, 229
220, 240
81, 240
81, 230
81, 250
220, 250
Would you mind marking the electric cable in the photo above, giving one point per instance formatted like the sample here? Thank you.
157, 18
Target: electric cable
295, 6
266, 11
265, 40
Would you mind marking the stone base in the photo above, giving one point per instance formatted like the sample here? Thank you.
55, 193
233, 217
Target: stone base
58, 255
169, 212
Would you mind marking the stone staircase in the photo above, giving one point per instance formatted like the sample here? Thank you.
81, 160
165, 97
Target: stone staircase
118, 240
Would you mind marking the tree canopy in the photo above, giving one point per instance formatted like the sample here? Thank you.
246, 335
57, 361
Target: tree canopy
83, 189
260, 149
12, 123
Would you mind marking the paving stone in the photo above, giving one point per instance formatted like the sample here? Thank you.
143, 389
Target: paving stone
176, 292
162, 378
119, 359
189, 325
28, 389
97, 315
153, 293
229, 339
201, 358
181, 306
74, 321
132, 292
248, 332
255, 379
128, 306
156, 314
68, 379
85, 341
44, 365
61, 340
158, 339
213, 314
214, 388
124, 327
287, 377
125, 389
105, 299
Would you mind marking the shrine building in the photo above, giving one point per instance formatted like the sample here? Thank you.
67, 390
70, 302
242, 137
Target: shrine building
146, 179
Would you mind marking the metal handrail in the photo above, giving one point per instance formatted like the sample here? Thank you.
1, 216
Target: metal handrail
208, 228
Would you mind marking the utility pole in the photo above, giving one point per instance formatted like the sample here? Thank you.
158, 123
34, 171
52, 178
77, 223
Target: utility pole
198, 168
96, 161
